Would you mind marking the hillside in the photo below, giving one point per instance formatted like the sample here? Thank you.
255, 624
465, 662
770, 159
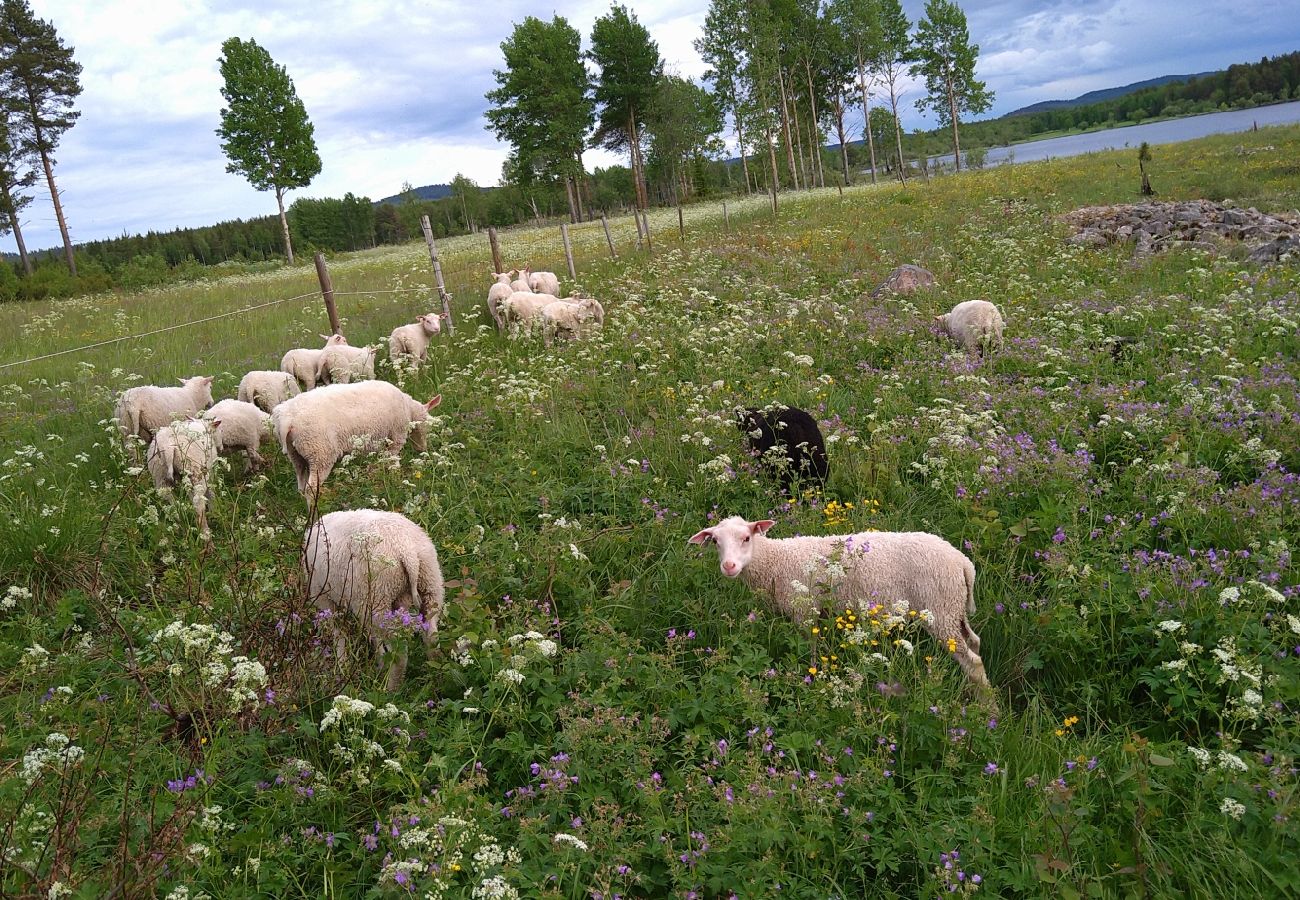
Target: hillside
424, 192
1104, 94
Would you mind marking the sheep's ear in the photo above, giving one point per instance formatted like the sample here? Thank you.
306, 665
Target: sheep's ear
183, 380
938, 318
761, 526
216, 423
326, 337
701, 537
437, 398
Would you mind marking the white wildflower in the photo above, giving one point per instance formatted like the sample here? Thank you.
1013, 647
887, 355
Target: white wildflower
1187, 648
494, 888
511, 676
1229, 595
1201, 755
572, 840
345, 707
58, 890
576, 553
1174, 665
1170, 626
1294, 623
1232, 808
1231, 762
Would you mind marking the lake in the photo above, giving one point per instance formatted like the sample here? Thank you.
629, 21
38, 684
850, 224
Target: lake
1168, 132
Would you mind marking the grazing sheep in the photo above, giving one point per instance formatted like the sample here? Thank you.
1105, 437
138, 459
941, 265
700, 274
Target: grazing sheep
788, 442
413, 340
142, 410
344, 364
500, 290
267, 390
569, 317
520, 284
975, 324
303, 362
187, 449
381, 567
543, 283
522, 307
892, 568
242, 427
318, 428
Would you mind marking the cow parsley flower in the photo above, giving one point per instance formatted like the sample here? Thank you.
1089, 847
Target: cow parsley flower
570, 839
1170, 626
1232, 808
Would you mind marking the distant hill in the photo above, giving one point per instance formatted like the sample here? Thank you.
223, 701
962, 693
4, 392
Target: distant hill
1104, 94
425, 192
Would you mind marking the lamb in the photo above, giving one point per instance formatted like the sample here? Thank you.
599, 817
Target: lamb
543, 283
266, 389
381, 567
343, 364
187, 449
912, 569
318, 428
500, 290
975, 324
242, 426
569, 317
142, 410
788, 442
303, 362
413, 340
521, 284
522, 307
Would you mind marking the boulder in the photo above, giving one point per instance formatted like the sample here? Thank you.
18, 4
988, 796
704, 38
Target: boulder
906, 279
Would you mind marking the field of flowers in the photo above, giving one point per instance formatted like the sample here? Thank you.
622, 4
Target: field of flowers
607, 716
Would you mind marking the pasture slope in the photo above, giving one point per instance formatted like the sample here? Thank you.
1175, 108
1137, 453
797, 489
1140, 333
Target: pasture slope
606, 715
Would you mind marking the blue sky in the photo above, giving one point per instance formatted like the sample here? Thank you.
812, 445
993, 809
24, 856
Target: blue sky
395, 87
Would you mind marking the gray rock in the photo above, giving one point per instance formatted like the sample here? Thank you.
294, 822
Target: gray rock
906, 279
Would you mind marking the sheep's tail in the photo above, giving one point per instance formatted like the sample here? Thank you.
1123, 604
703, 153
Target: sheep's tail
968, 572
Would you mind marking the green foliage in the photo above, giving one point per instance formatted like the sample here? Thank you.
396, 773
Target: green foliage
265, 132
943, 54
629, 68
39, 79
604, 712
334, 224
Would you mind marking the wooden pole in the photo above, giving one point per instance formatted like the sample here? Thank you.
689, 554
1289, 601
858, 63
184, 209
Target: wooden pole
645, 225
437, 274
726, 217
613, 254
496, 250
568, 250
681, 224
327, 291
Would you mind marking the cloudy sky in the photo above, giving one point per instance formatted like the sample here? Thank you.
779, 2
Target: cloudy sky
395, 87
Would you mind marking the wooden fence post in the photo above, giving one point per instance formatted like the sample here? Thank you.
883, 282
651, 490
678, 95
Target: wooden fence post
327, 291
613, 254
437, 274
568, 250
496, 250
726, 217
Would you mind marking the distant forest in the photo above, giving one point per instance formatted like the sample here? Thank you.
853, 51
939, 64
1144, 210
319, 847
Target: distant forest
353, 223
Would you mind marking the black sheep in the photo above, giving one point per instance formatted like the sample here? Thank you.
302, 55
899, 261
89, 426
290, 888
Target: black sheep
795, 432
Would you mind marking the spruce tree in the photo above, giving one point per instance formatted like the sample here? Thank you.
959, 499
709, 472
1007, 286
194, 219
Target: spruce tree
39, 80
264, 129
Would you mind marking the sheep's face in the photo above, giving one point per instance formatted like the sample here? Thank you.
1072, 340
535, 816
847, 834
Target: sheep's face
203, 384
431, 322
942, 323
334, 340
420, 422
750, 422
735, 540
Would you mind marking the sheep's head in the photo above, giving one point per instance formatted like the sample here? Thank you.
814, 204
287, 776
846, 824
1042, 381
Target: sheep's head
420, 421
734, 537
431, 322
942, 322
750, 422
334, 340
200, 385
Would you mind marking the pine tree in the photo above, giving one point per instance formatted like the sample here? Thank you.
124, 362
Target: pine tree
943, 53
16, 175
39, 80
630, 69
264, 130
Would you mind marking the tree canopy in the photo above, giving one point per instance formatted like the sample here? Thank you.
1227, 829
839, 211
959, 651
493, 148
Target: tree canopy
943, 54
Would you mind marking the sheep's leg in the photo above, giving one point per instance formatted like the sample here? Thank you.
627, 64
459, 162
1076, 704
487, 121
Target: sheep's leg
200, 497
397, 657
971, 637
970, 663
253, 459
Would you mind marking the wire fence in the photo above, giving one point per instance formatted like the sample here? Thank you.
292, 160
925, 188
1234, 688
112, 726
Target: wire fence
467, 266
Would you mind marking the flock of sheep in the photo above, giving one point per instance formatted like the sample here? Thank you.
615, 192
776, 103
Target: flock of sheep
383, 568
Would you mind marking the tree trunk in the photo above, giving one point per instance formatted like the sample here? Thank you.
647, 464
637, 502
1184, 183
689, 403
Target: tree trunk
284, 224
740, 142
58, 208
952, 111
771, 155
816, 127
898, 130
785, 127
577, 187
537, 217
17, 230
798, 143
866, 116
638, 170
839, 127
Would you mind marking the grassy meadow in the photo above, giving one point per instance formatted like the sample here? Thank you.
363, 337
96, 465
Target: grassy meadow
605, 715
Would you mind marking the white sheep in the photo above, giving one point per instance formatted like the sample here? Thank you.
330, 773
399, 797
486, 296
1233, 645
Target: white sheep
413, 340
187, 450
543, 283
522, 307
318, 428
382, 568
891, 568
975, 324
343, 364
266, 389
303, 362
520, 284
242, 427
569, 317
500, 290
142, 410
